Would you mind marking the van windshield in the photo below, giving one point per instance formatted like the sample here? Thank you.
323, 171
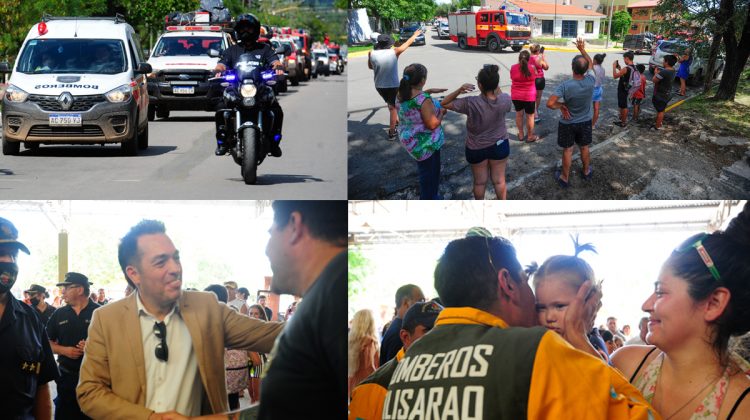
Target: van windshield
187, 45
79, 56
517, 19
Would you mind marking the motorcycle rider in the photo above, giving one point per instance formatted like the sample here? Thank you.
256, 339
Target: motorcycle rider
246, 32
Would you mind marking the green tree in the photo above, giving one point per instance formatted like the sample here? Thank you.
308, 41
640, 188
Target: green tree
620, 23
711, 25
359, 268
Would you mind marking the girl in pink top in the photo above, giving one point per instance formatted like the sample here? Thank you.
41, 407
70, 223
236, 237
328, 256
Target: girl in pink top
540, 63
523, 94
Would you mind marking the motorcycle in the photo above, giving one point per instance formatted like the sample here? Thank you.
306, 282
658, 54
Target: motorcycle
248, 120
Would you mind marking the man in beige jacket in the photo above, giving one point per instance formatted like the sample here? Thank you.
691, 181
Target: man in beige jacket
161, 350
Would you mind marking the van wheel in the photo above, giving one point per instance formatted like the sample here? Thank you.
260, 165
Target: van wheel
517, 48
151, 113
143, 139
11, 148
695, 80
493, 45
162, 113
129, 147
462, 43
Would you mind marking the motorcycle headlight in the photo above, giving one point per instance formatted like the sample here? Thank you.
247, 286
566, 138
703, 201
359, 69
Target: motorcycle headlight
248, 91
15, 94
119, 94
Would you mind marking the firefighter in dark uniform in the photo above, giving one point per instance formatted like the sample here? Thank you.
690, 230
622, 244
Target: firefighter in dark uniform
68, 329
37, 294
26, 359
246, 32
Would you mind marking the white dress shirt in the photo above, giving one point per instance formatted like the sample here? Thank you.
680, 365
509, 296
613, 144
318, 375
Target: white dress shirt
174, 384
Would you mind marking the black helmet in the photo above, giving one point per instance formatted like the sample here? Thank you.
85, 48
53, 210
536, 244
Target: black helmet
247, 21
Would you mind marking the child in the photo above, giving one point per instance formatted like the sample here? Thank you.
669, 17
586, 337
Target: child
662, 89
622, 87
557, 284
639, 94
487, 147
598, 89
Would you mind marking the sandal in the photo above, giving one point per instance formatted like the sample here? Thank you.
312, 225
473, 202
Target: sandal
620, 124
392, 135
532, 139
654, 128
559, 180
589, 175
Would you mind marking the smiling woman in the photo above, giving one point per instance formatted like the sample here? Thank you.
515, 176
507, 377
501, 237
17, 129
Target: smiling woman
700, 301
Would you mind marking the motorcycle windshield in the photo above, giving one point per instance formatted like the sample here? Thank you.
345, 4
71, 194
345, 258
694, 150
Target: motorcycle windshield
249, 66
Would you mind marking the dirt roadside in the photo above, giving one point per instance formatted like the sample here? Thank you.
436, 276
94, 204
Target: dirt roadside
694, 156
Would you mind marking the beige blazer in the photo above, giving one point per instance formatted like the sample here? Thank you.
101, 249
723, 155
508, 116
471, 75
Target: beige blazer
113, 374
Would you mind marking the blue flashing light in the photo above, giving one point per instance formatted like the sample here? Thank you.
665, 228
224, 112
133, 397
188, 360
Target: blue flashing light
230, 77
266, 75
521, 10
503, 8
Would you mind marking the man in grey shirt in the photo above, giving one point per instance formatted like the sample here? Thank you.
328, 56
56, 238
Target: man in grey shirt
383, 60
573, 98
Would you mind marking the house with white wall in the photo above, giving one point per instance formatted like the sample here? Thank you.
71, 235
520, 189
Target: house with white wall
555, 20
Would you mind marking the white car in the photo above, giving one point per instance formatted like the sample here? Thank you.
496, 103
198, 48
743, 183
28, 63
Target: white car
698, 68
322, 62
181, 68
77, 80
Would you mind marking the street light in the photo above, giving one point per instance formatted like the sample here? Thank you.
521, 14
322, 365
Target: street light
609, 25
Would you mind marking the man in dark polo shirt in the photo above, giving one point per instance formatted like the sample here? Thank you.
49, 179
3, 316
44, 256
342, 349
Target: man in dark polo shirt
37, 294
26, 360
406, 296
68, 329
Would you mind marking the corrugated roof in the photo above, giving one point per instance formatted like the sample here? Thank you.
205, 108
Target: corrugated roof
549, 9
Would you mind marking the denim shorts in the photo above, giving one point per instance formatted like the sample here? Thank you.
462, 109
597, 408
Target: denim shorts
598, 94
494, 152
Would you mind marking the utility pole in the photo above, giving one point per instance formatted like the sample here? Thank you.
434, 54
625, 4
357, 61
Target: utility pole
554, 22
609, 25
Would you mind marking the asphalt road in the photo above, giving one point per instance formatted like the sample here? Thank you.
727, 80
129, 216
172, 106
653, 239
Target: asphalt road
180, 161
382, 169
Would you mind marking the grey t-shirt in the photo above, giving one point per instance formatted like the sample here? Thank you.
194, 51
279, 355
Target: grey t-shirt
577, 96
599, 73
385, 65
485, 123
664, 87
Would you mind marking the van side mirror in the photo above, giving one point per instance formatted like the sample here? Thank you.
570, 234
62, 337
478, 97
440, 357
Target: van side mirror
213, 53
5, 67
143, 68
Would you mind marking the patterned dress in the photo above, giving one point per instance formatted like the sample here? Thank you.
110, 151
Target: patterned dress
417, 139
235, 362
711, 404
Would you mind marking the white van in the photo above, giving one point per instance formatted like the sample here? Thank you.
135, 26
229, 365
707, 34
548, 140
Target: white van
77, 81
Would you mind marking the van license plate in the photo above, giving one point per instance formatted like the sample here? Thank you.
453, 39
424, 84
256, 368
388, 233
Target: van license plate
188, 90
64, 119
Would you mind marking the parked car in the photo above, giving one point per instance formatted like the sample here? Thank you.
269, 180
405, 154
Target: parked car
676, 47
639, 43
407, 31
442, 30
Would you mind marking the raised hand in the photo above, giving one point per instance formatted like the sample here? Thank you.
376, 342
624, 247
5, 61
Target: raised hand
580, 44
466, 87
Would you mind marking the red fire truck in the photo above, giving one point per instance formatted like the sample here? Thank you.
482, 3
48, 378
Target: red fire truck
491, 28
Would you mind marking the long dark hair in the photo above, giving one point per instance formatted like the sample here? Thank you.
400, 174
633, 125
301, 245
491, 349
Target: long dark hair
523, 59
730, 252
489, 77
599, 58
413, 75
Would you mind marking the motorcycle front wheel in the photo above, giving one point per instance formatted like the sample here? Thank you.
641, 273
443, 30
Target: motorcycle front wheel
249, 166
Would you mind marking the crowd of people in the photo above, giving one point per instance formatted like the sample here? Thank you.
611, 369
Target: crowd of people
163, 352
490, 347
416, 115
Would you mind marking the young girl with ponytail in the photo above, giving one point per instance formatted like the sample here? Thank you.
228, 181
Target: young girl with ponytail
419, 130
523, 94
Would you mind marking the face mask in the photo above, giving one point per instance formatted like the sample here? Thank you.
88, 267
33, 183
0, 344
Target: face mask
35, 301
8, 275
246, 37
